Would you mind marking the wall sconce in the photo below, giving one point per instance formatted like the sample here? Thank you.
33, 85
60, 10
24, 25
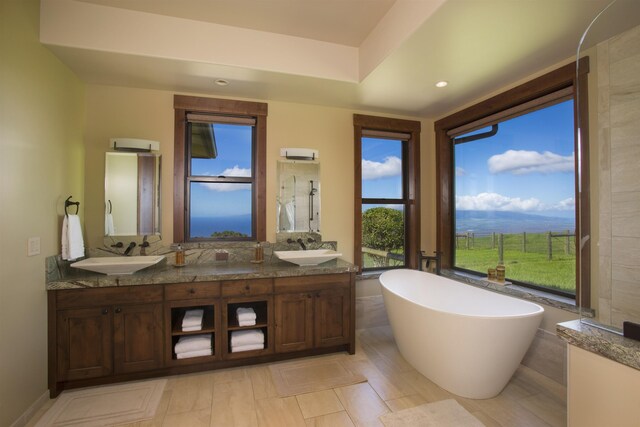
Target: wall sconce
132, 144
299, 153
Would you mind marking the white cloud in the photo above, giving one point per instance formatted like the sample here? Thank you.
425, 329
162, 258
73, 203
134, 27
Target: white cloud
392, 166
497, 202
520, 162
460, 171
223, 186
565, 205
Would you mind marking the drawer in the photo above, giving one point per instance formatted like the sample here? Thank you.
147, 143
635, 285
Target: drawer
180, 291
247, 288
312, 283
98, 297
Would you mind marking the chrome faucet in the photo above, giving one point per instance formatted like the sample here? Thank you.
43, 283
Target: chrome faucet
127, 251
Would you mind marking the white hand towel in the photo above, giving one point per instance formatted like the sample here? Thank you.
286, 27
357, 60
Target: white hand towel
245, 313
248, 336
109, 229
196, 353
193, 343
246, 322
72, 241
192, 318
238, 348
192, 328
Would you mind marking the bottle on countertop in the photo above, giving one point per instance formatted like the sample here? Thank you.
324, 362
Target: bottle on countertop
179, 255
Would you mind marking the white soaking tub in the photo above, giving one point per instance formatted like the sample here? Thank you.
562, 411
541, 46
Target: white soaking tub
467, 340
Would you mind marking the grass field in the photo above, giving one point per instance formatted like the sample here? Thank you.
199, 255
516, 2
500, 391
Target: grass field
530, 267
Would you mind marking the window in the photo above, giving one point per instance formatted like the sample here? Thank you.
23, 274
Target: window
387, 228
507, 186
219, 176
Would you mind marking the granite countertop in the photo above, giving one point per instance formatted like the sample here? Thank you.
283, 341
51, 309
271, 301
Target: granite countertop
70, 278
600, 341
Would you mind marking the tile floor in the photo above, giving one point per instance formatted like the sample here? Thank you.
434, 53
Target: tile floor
247, 396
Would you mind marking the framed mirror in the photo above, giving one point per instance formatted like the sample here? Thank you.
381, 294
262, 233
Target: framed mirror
132, 194
298, 196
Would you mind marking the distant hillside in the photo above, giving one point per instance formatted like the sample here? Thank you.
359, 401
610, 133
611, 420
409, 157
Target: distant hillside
509, 222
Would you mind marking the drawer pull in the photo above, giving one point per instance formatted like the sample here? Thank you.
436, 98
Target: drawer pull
192, 291
118, 310
247, 287
105, 311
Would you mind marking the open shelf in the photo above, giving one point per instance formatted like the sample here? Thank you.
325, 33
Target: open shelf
260, 308
208, 320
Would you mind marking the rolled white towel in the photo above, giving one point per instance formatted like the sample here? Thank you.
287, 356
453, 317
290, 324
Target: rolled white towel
192, 318
193, 342
245, 313
192, 328
196, 353
247, 336
246, 347
246, 322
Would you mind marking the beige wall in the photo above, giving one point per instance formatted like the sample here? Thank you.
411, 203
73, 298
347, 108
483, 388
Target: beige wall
41, 164
148, 114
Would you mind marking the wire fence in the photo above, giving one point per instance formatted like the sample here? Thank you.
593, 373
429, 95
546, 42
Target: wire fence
551, 243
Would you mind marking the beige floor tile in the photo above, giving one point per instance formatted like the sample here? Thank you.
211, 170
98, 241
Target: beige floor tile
362, 403
319, 403
387, 387
192, 393
279, 412
486, 419
262, 382
405, 402
40, 412
233, 405
337, 419
227, 375
508, 412
188, 419
545, 407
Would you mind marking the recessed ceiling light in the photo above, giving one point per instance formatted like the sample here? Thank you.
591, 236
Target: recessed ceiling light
222, 82
442, 83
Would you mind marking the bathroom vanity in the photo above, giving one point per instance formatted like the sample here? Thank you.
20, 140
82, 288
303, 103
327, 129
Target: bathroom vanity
105, 329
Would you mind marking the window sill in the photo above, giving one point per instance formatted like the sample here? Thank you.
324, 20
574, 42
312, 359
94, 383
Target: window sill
517, 291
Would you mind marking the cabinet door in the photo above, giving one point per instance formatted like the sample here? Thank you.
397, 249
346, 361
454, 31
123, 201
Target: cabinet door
332, 308
294, 322
137, 337
84, 343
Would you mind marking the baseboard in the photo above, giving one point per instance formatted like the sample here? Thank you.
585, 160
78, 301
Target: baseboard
31, 410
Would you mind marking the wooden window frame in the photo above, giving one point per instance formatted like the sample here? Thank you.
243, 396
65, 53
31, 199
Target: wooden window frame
411, 181
183, 105
556, 80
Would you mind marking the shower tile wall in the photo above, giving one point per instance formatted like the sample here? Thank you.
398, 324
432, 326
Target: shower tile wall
618, 65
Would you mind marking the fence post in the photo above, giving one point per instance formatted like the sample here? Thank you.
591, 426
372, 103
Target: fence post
467, 237
549, 247
524, 242
493, 240
500, 248
473, 240
567, 245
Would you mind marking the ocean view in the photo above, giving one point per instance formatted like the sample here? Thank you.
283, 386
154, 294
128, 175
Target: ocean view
484, 222
205, 226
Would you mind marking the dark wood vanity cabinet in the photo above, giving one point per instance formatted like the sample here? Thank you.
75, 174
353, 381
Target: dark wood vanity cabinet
102, 332
313, 312
104, 335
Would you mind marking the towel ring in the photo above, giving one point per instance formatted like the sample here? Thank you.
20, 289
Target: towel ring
68, 203
110, 208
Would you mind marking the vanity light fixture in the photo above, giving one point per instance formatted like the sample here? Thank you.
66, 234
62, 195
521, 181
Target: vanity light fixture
221, 82
299, 153
442, 83
132, 144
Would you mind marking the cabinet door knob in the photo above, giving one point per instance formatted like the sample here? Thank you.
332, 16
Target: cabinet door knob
318, 294
118, 310
105, 311
247, 287
192, 291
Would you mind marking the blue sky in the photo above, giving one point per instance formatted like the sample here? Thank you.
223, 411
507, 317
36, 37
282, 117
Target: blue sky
234, 159
527, 167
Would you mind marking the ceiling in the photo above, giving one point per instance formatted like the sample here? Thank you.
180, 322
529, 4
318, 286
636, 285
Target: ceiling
372, 55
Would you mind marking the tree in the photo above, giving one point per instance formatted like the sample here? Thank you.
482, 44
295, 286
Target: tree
383, 229
226, 234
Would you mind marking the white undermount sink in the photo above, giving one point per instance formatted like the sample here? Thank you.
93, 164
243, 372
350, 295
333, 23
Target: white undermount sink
118, 264
312, 257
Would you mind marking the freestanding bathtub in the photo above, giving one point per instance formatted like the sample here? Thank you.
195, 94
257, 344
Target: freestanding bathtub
467, 340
